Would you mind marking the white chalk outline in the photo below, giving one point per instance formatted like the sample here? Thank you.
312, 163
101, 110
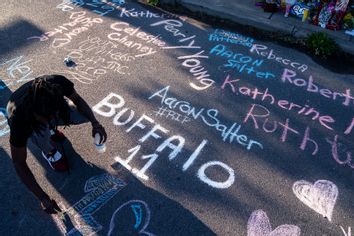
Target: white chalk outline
320, 196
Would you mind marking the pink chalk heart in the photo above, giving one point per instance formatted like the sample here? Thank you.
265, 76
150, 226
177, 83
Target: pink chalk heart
259, 225
320, 196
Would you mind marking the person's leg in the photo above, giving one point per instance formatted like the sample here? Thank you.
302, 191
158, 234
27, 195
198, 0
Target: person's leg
42, 139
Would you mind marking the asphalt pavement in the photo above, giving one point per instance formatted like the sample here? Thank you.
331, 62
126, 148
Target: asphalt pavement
210, 132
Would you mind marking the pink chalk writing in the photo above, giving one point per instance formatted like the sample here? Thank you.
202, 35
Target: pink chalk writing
260, 118
349, 128
263, 51
259, 225
67, 31
335, 153
256, 94
290, 76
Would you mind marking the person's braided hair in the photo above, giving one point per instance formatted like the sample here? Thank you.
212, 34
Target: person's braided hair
47, 100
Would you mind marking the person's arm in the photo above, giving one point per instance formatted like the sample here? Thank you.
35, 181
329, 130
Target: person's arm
85, 110
19, 156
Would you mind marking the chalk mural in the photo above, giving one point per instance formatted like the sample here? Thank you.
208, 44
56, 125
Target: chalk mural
269, 54
346, 233
78, 219
193, 61
209, 117
258, 225
320, 196
63, 34
291, 77
14, 72
171, 114
99, 190
220, 35
261, 118
125, 35
136, 13
240, 62
95, 57
100, 7
108, 106
139, 226
4, 127
248, 71
109, 7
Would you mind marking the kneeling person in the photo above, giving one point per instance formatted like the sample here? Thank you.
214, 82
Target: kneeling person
34, 111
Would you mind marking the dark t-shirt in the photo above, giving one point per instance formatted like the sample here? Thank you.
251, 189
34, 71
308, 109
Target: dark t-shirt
20, 124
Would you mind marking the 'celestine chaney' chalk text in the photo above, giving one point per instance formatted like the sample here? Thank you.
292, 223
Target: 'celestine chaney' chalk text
126, 35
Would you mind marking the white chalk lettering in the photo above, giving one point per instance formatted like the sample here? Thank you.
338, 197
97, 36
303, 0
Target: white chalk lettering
16, 71
123, 34
67, 31
349, 233
215, 184
176, 143
192, 62
320, 196
209, 117
4, 128
106, 103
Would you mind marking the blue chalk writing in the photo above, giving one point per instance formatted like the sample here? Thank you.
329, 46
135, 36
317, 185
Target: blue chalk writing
99, 189
97, 6
3, 122
229, 37
100, 201
119, 2
138, 214
222, 51
248, 69
240, 62
142, 216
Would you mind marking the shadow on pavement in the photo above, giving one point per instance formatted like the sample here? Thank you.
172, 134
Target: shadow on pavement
14, 36
90, 203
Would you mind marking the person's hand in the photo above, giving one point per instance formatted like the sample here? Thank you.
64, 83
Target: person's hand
98, 128
50, 206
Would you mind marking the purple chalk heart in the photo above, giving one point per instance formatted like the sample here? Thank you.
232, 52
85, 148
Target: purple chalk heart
259, 225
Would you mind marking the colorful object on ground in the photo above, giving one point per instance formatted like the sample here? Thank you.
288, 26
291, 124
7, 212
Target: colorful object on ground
328, 14
298, 9
288, 5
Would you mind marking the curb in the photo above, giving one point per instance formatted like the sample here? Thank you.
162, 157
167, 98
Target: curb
289, 26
